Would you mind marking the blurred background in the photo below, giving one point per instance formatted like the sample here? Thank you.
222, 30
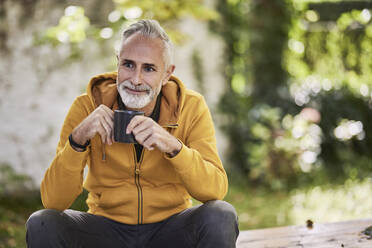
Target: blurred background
289, 84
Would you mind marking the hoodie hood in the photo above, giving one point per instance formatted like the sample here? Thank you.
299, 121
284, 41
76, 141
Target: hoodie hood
102, 90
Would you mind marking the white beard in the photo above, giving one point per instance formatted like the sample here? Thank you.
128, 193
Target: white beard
137, 101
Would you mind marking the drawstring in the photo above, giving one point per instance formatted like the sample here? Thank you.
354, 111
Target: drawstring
103, 152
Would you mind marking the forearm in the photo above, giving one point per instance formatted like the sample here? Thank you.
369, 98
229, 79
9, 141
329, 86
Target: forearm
204, 178
63, 180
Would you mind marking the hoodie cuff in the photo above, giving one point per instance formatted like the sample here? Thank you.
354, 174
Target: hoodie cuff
73, 160
178, 161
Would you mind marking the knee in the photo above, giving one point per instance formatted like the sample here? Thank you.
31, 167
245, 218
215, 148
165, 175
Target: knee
218, 220
43, 219
219, 212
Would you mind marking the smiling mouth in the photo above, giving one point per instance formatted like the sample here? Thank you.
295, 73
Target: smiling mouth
136, 92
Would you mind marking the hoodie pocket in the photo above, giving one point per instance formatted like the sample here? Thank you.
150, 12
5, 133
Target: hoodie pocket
118, 201
165, 197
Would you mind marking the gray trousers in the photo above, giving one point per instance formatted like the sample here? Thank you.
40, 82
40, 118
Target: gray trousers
213, 224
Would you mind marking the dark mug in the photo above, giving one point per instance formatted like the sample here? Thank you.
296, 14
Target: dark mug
121, 121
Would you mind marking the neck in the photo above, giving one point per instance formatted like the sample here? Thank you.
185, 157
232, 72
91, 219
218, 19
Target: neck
148, 109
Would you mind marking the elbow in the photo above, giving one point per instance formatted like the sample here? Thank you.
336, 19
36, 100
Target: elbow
52, 204
218, 194
223, 189
222, 193
51, 201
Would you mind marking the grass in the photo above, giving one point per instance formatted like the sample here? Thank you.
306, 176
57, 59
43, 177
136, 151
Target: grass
258, 207
14, 211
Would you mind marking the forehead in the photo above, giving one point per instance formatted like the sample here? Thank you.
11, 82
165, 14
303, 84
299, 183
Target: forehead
142, 49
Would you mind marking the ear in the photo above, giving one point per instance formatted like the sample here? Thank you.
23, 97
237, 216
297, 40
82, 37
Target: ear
168, 74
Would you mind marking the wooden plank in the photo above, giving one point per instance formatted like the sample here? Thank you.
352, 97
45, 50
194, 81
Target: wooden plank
340, 234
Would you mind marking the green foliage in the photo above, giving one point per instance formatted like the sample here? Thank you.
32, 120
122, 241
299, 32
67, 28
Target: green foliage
256, 99
258, 207
198, 70
298, 100
12, 182
14, 211
75, 27
17, 203
71, 28
335, 62
350, 201
80, 202
168, 13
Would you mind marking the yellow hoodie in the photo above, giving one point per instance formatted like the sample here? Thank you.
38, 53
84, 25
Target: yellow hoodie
152, 189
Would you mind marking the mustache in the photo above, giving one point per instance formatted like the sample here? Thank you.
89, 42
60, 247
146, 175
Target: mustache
130, 85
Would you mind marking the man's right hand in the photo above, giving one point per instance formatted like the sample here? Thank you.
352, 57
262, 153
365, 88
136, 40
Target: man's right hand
100, 121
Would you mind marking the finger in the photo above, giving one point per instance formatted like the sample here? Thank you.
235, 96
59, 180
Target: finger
148, 125
149, 148
109, 121
150, 143
102, 132
100, 113
106, 113
137, 120
109, 112
142, 136
107, 130
109, 135
103, 106
108, 118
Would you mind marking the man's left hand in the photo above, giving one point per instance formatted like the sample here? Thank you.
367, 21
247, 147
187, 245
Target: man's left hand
151, 135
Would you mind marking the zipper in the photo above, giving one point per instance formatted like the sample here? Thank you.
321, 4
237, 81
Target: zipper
138, 185
137, 173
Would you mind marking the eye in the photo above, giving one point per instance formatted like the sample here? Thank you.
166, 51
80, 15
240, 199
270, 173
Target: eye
149, 69
128, 64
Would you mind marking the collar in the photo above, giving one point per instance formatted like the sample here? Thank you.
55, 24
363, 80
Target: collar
102, 90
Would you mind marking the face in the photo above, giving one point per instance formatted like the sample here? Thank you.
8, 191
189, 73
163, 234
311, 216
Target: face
141, 72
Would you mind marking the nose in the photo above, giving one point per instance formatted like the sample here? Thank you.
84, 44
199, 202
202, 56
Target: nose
137, 77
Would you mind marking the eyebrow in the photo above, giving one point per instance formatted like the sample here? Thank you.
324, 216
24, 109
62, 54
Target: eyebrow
149, 64
145, 64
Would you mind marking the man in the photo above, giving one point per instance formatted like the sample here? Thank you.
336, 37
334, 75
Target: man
139, 195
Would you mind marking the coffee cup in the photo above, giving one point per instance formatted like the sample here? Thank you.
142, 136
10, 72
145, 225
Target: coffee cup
121, 120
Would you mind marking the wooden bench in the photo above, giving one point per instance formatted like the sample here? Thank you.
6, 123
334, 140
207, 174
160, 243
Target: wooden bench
353, 234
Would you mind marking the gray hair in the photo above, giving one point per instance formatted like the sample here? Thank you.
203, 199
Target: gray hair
152, 29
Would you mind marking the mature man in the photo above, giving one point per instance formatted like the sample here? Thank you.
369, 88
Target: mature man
139, 195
